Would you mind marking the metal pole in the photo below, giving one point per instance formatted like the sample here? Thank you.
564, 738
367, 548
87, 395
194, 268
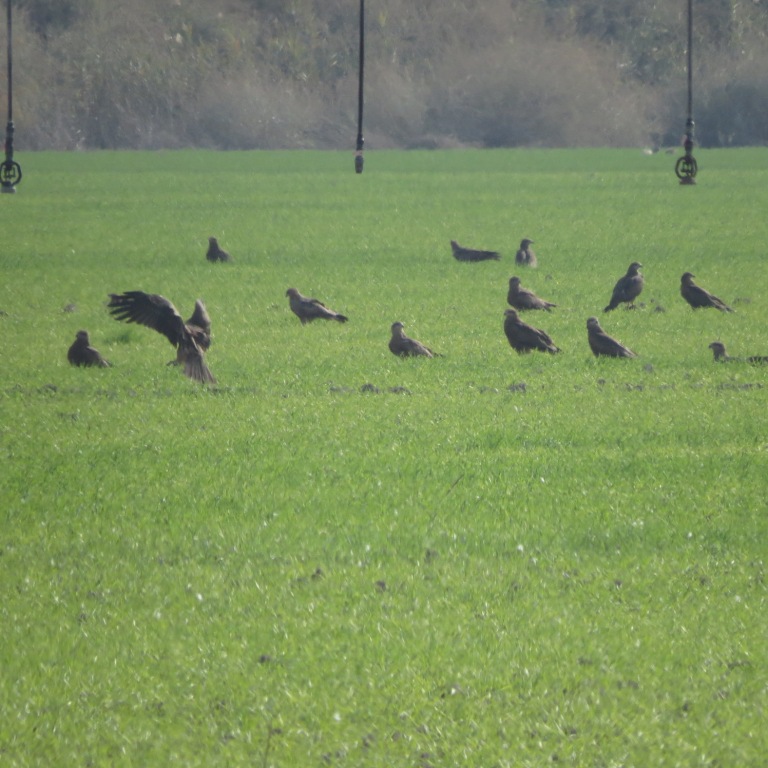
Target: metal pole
361, 68
686, 166
10, 63
10, 171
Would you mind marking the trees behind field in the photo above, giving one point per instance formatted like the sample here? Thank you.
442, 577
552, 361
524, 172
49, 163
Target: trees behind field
242, 74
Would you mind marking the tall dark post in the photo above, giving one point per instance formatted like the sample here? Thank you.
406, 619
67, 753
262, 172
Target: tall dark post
686, 166
10, 171
361, 68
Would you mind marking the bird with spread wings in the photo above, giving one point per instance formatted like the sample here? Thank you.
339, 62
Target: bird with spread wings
191, 338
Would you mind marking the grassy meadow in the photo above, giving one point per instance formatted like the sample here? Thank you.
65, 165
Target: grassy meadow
482, 559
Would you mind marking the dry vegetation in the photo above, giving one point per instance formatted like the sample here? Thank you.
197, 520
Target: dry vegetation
282, 73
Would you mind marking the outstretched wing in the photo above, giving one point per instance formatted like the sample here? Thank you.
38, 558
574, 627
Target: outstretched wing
148, 309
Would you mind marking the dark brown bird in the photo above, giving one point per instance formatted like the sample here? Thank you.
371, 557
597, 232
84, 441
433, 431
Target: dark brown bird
525, 256
522, 298
602, 344
82, 353
191, 339
721, 356
307, 309
627, 288
216, 252
523, 337
697, 297
402, 346
470, 254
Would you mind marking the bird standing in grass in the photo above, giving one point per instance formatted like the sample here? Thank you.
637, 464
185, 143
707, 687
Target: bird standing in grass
307, 309
82, 353
191, 338
697, 296
525, 256
523, 337
471, 254
627, 288
602, 344
721, 356
522, 298
403, 346
216, 252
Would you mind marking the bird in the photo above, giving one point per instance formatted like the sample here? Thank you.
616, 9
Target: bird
523, 337
82, 353
602, 344
697, 296
191, 338
216, 252
525, 255
721, 356
627, 288
403, 346
470, 254
522, 298
307, 309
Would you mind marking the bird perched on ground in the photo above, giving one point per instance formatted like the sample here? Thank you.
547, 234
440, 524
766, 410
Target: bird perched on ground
470, 254
307, 309
523, 337
602, 344
522, 298
216, 252
402, 346
627, 288
525, 255
721, 356
82, 353
191, 338
697, 297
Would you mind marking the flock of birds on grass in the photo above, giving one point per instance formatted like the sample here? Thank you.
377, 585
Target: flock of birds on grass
192, 337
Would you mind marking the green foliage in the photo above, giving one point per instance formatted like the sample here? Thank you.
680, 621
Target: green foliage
261, 74
507, 560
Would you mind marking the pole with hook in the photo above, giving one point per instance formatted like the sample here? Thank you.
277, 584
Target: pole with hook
686, 166
10, 171
361, 70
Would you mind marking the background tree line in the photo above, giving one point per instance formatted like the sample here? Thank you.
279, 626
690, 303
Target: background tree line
241, 74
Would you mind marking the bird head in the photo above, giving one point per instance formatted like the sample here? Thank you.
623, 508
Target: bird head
514, 282
83, 336
718, 348
525, 242
397, 328
511, 313
593, 323
634, 266
687, 278
292, 292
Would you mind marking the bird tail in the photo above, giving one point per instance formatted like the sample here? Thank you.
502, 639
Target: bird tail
194, 365
197, 370
341, 318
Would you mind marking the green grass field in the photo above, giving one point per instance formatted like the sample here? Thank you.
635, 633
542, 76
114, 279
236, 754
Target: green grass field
506, 561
